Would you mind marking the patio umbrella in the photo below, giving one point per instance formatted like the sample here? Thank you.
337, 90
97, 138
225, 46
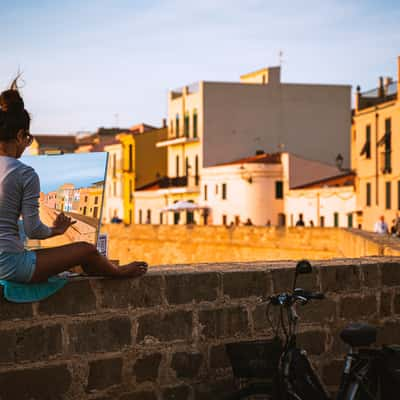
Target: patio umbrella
182, 206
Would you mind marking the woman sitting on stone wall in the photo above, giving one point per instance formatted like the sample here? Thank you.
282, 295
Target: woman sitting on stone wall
19, 195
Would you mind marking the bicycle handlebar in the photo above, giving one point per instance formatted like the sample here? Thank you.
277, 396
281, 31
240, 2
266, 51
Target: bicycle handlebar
284, 299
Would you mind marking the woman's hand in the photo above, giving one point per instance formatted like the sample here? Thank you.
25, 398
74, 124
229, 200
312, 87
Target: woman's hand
61, 224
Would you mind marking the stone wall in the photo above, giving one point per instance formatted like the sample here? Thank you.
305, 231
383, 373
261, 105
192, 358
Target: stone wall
182, 244
162, 337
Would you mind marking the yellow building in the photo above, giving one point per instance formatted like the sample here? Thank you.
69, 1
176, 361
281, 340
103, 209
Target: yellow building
134, 161
90, 200
375, 147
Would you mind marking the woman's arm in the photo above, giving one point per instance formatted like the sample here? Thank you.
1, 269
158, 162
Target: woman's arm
33, 226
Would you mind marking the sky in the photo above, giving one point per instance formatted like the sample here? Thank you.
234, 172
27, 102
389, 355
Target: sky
55, 170
97, 63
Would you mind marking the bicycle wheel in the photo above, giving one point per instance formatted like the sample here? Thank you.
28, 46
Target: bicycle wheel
253, 392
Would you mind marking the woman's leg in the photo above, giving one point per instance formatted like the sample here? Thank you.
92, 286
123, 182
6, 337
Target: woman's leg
52, 261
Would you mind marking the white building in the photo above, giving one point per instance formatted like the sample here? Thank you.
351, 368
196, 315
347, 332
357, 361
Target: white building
255, 187
329, 202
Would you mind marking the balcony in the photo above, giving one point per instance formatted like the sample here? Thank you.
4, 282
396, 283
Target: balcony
176, 140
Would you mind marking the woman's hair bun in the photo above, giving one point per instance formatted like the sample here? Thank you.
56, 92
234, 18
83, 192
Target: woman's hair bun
11, 101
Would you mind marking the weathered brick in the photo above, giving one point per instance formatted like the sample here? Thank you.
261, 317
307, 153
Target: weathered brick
391, 274
352, 307
143, 292
218, 357
283, 280
102, 335
246, 283
185, 288
75, 298
371, 275
389, 333
259, 315
46, 383
176, 325
104, 373
386, 304
224, 322
312, 341
186, 365
318, 311
215, 390
35, 343
146, 367
332, 372
10, 310
143, 395
340, 278
176, 393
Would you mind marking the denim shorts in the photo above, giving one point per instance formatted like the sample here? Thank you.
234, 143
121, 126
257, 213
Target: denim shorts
17, 267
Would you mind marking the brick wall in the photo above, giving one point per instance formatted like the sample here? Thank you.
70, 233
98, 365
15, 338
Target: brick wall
162, 337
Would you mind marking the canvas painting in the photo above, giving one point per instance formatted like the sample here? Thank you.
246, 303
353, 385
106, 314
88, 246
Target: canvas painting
73, 184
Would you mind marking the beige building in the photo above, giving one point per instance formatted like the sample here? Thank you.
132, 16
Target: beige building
215, 122
374, 151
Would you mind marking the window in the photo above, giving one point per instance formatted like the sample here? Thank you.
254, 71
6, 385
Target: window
195, 123
96, 200
367, 145
388, 195
130, 191
114, 165
278, 189
177, 165
224, 220
177, 125
186, 125
335, 219
161, 218
388, 146
148, 218
224, 191
140, 217
86, 198
368, 195
216, 189
196, 171
237, 220
187, 167
321, 222
130, 217
130, 158
206, 194
350, 220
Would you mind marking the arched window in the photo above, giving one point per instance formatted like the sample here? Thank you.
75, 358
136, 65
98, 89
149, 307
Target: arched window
195, 123
186, 125
177, 128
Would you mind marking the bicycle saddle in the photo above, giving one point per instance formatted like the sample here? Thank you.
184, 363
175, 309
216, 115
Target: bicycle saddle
359, 334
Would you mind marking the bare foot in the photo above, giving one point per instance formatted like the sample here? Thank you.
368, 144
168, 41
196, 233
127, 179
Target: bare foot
133, 269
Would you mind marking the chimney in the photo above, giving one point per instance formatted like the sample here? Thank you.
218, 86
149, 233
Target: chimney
386, 83
358, 97
380, 87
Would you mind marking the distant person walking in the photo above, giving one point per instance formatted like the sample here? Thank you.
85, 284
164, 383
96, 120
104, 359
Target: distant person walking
248, 222
19, 195
300, 221
381, 226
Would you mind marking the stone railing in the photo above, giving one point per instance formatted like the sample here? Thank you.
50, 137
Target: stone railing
162, 337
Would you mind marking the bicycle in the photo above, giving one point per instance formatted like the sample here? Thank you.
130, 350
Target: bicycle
277, 369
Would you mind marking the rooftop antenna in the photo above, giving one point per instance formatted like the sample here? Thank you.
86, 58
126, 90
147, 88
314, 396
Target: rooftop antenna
280, 55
